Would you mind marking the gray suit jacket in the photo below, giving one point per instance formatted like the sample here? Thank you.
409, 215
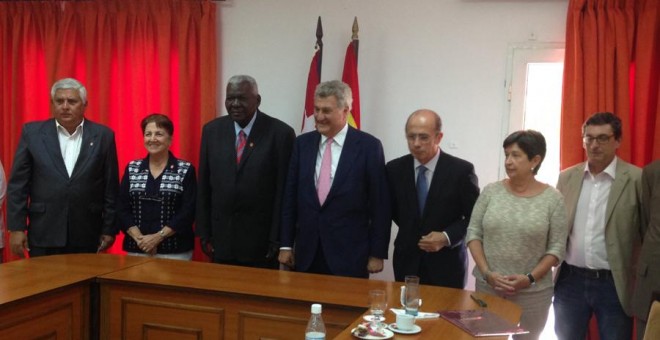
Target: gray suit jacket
623, 227
55, 209
648, 270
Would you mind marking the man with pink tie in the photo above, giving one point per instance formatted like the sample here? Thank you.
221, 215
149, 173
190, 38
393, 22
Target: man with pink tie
336, 210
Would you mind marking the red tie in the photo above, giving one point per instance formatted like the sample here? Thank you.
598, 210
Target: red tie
323, 187
240, 145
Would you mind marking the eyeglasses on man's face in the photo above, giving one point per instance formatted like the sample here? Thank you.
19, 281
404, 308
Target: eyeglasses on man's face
600, 139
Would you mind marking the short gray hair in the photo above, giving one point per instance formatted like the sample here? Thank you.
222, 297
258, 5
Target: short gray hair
69, 83
242, 78
337, 88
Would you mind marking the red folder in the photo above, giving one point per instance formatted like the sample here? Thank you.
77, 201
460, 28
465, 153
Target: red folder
481, 322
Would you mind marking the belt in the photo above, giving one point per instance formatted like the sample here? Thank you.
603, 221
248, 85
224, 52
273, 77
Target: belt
590, 273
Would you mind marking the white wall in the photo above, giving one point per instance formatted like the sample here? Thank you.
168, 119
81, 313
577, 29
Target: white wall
445, 55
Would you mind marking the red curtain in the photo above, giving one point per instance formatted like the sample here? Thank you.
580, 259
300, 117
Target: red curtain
134, 57
612, 64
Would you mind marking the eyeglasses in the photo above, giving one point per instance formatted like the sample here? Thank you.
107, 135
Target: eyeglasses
601, 139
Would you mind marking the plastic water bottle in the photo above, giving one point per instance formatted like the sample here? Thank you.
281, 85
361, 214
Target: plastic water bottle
315, 327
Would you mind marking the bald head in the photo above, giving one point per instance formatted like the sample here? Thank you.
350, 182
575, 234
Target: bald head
426, 115
424, 133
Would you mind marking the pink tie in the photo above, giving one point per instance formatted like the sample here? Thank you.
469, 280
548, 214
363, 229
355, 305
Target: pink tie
240, 145
323, 187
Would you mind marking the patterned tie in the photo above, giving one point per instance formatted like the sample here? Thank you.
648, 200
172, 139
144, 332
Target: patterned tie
323, 187
240, 145
422, 188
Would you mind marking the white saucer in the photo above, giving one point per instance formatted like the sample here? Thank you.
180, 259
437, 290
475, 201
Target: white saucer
388, 335
370, 318
416, 329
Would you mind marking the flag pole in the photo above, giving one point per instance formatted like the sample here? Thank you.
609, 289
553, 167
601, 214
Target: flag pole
319, 44
350, 75
313, 79
354, 37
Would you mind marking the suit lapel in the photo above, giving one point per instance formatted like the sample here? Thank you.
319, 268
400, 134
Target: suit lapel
346, 160
88, 146
409, 187
408, 182
574, 183
620, 181
308, 165
52, 146
259, 128
439, 179
226, 149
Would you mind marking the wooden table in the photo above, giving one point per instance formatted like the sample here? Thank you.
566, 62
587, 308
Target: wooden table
168, 299
436, 299
50, 297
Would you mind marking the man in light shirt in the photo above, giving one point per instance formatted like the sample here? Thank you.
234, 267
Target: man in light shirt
603, 198
336, 208
64, 179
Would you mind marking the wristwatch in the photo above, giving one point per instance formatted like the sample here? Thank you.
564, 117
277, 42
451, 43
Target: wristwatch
162, 233
532, 280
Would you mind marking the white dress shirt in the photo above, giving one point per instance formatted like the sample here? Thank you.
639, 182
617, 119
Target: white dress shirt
70, 145
586, 243
337, 146
247, 128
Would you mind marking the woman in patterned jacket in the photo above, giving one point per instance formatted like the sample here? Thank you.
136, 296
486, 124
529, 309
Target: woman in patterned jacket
157, 197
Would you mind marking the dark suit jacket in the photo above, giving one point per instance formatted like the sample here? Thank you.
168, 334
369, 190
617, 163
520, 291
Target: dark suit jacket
648, 273
239, 206
63, 211
454, 190
354, 222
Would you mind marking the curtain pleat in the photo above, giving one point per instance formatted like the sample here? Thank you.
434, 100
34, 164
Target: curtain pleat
612, 64
134, 58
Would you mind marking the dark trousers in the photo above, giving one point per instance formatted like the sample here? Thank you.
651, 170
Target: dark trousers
579, 293
320, 265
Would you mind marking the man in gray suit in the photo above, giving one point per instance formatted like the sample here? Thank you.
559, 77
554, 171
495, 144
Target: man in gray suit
648, 275
63, 183
603, 197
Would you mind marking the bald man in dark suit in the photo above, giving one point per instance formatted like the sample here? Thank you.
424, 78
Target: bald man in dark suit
432, 227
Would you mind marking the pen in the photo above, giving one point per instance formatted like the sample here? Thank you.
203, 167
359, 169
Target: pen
479, 301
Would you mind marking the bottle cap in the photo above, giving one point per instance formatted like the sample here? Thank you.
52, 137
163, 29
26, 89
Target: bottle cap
316, 308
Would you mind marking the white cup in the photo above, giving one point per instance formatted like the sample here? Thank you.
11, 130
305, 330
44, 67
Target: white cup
405, 322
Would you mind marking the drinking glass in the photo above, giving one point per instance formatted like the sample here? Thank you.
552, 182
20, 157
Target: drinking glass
378, 305
411, 299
